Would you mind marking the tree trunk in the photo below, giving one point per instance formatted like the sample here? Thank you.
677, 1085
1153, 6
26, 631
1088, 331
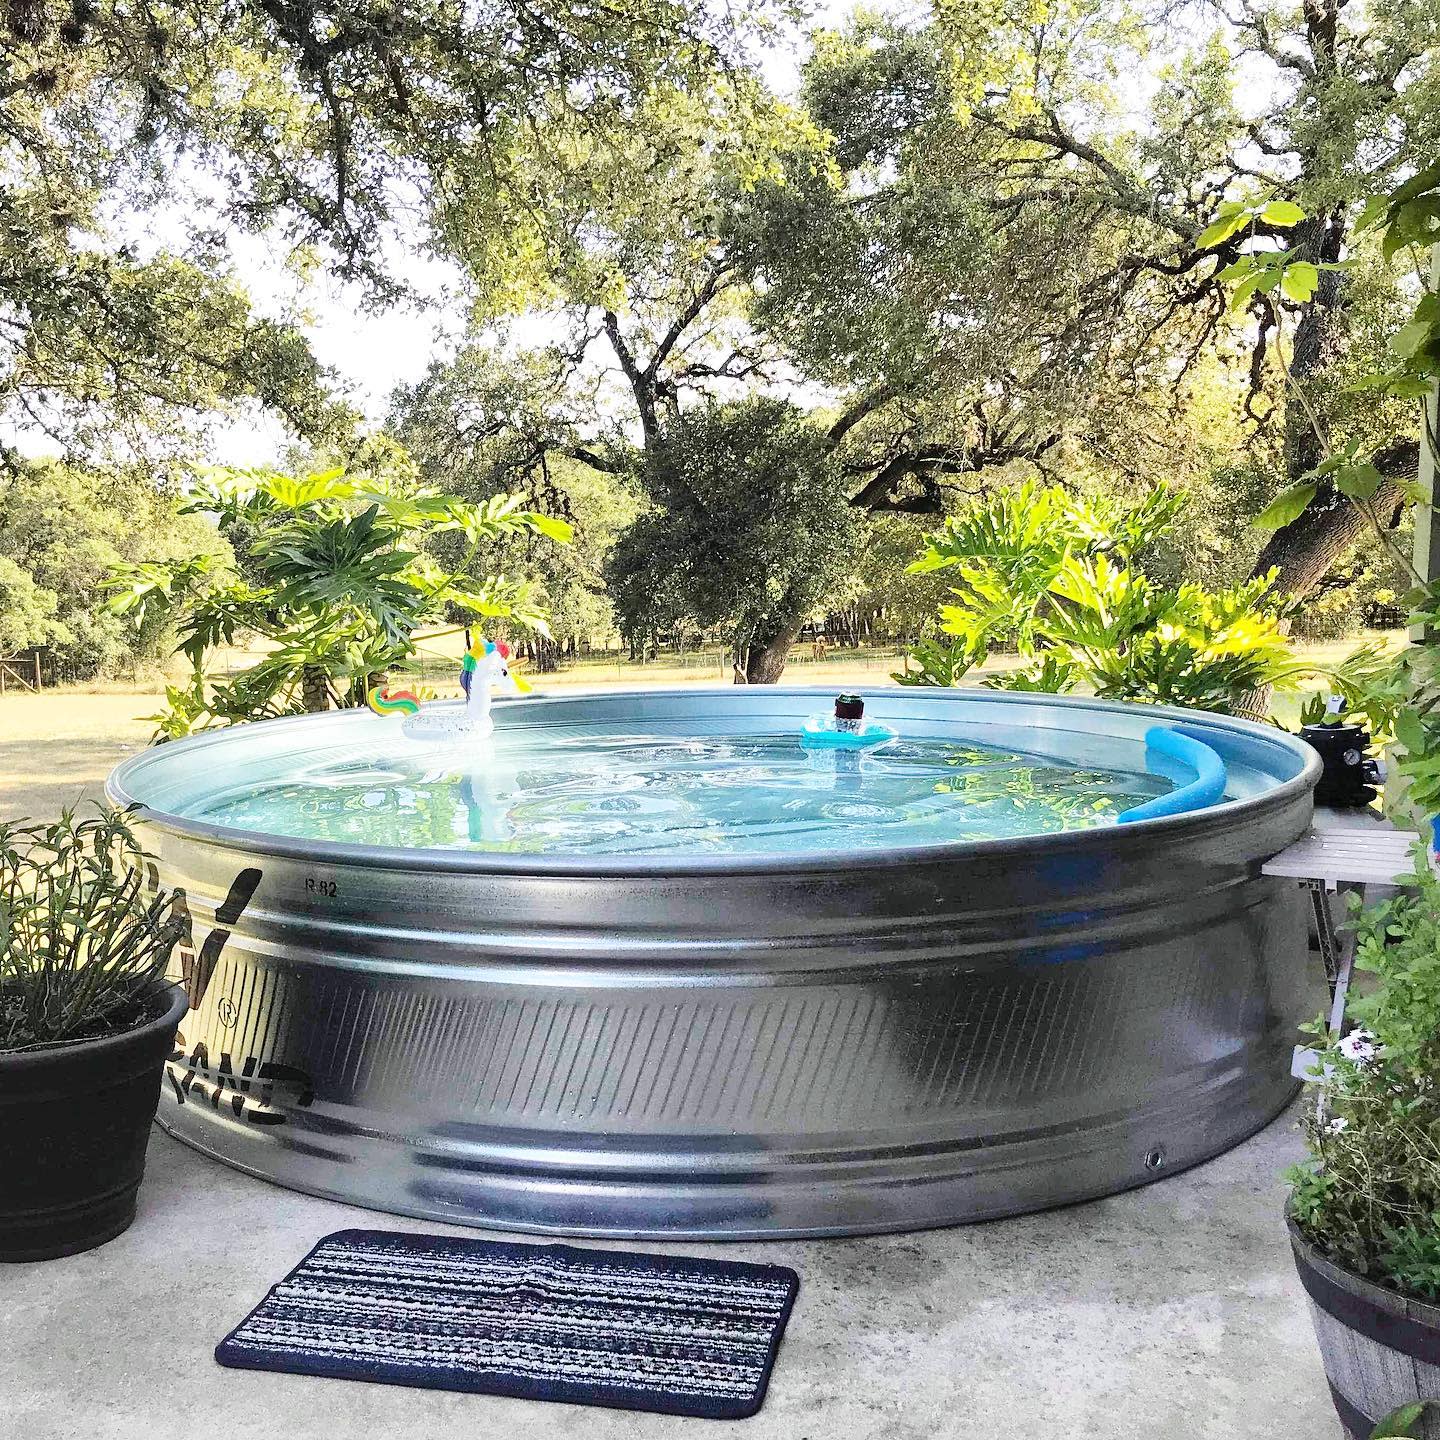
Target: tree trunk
1254, 705
1319, 342
314, 692
362, 685
1305, 550
765, 659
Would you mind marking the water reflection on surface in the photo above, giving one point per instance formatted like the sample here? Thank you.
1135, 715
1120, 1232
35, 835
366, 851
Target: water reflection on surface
651, 794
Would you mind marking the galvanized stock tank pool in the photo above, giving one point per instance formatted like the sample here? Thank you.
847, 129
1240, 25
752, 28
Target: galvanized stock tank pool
640, 964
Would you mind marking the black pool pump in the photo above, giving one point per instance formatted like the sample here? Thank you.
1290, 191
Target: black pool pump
1350, 775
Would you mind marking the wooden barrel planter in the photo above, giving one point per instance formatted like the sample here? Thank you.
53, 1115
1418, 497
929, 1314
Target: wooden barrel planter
1380, 1350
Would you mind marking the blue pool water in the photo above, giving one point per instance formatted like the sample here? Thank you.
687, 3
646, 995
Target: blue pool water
605, 794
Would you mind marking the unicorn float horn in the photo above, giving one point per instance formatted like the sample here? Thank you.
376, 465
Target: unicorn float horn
484, 668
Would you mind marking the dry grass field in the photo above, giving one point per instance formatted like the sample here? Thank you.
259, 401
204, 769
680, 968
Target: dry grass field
57, 747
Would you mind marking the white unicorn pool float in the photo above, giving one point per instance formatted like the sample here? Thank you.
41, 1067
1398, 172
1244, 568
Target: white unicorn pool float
485, 669
488, 795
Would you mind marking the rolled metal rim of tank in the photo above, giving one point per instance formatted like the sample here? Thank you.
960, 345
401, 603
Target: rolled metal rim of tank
1294, 766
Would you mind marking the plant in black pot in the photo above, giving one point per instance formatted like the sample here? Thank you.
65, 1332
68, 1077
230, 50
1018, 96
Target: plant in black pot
87, 1022
1365, 1207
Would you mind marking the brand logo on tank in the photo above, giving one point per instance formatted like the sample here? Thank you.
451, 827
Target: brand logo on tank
259, 1092
256, 1091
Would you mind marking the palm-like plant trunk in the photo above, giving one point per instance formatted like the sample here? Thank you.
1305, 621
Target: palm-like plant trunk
314, 689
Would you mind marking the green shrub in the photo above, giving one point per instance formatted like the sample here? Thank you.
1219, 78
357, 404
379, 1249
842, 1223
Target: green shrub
1369, 1195
332, 574
62, 530
82, 946
1061, 580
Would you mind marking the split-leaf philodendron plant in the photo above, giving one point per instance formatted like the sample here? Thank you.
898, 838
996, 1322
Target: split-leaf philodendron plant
1057, 578
333, 574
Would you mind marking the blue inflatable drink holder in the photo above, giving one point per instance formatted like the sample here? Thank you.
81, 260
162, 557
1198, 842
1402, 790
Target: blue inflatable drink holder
820, 733
1207, 788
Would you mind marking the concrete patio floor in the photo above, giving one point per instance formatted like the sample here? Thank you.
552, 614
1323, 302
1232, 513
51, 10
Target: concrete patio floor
1171, 1311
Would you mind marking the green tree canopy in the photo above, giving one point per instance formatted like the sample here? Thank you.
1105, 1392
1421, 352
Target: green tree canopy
978, 256
62, 529
1023, 263
481, 425
27, 611
975, 248
137, 139
750, 525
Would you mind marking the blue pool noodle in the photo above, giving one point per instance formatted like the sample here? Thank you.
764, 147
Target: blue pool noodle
1206, 788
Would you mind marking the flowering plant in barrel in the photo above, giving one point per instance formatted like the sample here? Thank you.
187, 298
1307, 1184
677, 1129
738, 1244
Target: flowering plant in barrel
1365, 1204
87, 1021
1365, 1207
1368, 1196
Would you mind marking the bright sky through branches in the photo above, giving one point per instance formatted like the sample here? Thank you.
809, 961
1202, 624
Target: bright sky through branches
370, 351
373, 353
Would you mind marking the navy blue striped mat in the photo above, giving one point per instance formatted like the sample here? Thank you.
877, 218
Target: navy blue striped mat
546, 1322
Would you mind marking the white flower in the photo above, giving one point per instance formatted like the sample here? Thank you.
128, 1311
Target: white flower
1337, 1124
1359, 1046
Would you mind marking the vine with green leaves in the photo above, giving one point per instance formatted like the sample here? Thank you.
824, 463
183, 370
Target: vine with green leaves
1398, 697
1368, 1195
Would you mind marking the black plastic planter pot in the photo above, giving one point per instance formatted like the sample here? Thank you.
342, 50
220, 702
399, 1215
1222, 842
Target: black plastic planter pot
1379, 1349
74, 1124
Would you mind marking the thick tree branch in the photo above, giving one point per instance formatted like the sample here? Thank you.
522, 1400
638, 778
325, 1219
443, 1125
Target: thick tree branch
1258, 26
865, 404
715, 282
1305, 550
593, 458
642, 381
1125, 193
919, 470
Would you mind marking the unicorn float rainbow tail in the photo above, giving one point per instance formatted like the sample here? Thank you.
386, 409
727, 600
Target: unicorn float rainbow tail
385, 701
